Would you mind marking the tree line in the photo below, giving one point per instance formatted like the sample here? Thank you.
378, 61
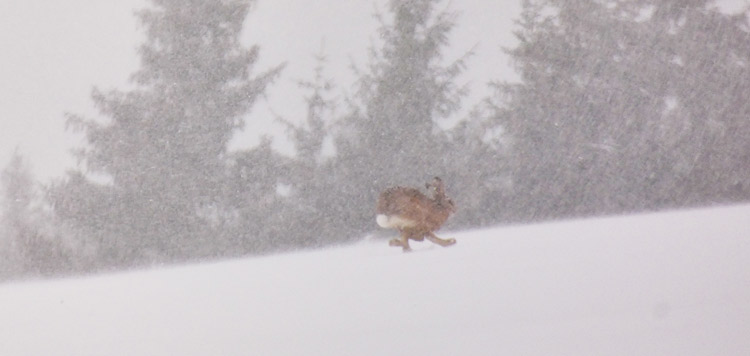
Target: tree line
622, 106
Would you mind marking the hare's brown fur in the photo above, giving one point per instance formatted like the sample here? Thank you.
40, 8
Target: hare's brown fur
414, 214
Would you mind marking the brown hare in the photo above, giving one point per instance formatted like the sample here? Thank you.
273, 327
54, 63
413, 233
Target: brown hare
415, 215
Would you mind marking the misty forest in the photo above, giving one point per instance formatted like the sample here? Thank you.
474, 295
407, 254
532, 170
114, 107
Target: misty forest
620, 107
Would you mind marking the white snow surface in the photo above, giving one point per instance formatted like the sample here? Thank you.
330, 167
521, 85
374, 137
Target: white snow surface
675, 283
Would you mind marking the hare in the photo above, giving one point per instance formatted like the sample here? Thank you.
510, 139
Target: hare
415, 215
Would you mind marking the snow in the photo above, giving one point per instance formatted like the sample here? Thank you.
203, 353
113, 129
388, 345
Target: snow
675, 283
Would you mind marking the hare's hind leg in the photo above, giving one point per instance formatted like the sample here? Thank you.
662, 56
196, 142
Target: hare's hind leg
403, 241
442, 242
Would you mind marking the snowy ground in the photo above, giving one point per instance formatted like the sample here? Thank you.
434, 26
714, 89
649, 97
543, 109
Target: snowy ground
659, 284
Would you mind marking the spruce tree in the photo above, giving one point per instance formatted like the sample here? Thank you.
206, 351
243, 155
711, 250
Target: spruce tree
392, 135
309, 136
707, 122
312, 187
16, 232
623, 106
162, 145
31, 243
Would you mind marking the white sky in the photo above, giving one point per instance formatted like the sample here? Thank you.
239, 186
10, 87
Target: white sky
54, 52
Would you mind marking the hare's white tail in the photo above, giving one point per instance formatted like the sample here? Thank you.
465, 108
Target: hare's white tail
393, 222
382, 221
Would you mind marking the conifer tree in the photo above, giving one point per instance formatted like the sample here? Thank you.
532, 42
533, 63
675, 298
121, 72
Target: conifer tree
30, 243
15, 213
309, 135
313, 193
162, 146
706, 112
623, 106
392, 134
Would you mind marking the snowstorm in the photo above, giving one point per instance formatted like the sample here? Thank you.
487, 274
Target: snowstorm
375, 177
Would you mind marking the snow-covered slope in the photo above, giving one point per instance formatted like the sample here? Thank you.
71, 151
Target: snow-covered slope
660, 284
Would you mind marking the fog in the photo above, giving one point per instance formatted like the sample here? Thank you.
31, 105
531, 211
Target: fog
200, 176
149, 133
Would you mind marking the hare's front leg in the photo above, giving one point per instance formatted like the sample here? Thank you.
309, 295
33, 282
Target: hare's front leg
442, 242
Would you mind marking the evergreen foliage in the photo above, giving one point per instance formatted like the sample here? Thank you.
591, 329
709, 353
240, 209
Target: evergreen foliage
622, 106
163, 145
392, 137
32, 243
